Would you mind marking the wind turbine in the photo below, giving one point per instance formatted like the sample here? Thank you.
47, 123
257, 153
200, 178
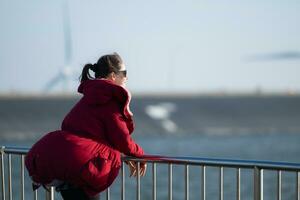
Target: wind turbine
66, 74
284, 55
277, 56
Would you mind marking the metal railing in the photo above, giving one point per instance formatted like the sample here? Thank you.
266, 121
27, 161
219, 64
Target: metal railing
257, 167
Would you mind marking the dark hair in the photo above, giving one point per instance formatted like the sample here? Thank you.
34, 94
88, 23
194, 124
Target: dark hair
105, 65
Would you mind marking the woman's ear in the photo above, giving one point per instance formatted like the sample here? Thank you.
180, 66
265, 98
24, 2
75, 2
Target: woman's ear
112, 76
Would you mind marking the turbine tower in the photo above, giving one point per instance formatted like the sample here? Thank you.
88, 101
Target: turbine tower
65, 75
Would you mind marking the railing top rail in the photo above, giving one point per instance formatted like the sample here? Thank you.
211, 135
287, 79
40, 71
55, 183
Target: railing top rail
216, 162
14, 150
234, 163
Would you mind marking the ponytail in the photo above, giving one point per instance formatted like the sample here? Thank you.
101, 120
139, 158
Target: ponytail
85, 75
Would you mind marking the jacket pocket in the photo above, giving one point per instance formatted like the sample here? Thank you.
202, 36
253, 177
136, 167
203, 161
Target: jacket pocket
96, 172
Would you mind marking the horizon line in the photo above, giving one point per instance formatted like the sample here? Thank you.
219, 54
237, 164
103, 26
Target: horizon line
69, 94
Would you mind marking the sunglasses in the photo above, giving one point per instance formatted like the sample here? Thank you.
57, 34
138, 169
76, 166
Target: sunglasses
123, 72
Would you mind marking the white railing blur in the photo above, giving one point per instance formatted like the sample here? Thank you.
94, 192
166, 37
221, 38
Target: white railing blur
258, 168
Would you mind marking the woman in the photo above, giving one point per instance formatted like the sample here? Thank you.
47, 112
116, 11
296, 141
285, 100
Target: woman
84, 157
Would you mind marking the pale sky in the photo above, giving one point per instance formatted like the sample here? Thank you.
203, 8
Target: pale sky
167, 45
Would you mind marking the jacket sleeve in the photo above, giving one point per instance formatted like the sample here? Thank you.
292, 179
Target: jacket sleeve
119, 135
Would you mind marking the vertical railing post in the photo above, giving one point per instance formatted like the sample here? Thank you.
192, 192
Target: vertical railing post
123, 181
50, 193
154, 181
108, 193
258, 184
9, 178
22, 178
279, 185
298, 186
2, 173
170, 182
138, 182
238, 184
187, 194
203, 183
35, 195
221, 189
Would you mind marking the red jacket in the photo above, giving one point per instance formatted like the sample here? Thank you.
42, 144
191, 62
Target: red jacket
86, 151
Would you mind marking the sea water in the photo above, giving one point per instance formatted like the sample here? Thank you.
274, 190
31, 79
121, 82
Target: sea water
261, 128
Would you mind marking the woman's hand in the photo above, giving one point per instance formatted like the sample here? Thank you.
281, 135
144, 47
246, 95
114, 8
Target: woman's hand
143, 168
133, 168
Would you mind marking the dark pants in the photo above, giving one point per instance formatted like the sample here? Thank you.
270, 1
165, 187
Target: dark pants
76, 193
70, 192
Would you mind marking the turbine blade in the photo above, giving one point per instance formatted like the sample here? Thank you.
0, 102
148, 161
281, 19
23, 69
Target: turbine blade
289, 55
54, 81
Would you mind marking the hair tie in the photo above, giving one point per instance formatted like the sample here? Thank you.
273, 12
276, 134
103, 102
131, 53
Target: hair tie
93, 67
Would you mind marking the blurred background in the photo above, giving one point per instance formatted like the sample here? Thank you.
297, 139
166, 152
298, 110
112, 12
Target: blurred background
168, 46
208, 78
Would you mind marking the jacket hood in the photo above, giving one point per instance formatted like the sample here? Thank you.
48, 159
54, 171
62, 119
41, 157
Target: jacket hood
101, 91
